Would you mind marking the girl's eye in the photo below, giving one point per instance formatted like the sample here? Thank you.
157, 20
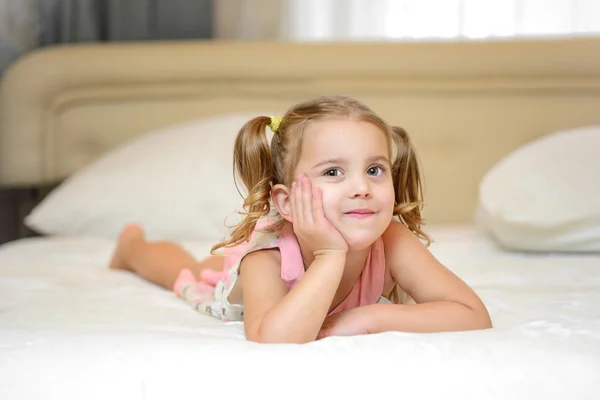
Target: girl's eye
332, 172
375, 171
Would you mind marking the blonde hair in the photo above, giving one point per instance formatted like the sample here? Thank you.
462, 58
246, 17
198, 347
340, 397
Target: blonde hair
260, 166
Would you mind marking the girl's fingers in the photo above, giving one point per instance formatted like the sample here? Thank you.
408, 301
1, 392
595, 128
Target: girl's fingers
293, 204
307, 199
298, 202
317, 205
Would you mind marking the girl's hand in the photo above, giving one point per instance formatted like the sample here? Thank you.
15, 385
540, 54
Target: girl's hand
345, 323
309, 221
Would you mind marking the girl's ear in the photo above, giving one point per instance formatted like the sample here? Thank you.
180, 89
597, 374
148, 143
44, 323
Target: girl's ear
280, 195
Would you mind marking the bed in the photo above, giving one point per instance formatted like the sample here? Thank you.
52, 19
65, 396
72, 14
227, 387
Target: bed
70, 328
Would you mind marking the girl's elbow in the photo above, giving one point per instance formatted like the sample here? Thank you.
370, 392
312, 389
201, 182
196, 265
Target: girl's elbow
482, 319
487, 323
276, 339
272, 335
270, 339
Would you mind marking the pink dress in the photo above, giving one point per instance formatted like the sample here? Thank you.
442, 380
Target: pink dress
209, 294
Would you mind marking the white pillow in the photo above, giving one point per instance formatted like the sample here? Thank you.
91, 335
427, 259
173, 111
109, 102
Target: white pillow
545, 196
177, 182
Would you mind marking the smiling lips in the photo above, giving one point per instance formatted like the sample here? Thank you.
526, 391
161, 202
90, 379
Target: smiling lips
360, 213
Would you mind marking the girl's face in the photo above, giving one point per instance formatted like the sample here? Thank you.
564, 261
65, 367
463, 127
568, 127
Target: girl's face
349, 161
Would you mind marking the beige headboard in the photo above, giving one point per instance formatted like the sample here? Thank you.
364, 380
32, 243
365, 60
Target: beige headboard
466, 104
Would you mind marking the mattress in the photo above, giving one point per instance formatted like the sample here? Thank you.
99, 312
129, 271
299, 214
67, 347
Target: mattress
72, 329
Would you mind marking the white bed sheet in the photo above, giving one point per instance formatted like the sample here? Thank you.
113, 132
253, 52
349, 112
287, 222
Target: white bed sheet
72, 329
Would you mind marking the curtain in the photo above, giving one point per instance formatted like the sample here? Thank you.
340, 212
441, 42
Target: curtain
248, 19
437, 19
69, 21
18, 29
28, 24
301, 20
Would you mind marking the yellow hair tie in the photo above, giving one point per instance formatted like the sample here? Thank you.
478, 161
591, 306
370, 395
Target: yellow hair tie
274, 125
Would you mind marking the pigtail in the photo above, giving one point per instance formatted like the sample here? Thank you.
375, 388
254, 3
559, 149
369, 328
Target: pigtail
253, 165
408, 184
408, 187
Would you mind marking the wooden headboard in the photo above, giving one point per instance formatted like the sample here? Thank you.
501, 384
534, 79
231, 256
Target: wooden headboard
466, 104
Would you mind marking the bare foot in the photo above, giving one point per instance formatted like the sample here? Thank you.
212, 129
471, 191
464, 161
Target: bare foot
128, 235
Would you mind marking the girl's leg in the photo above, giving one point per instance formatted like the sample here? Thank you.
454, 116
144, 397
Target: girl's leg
157, 262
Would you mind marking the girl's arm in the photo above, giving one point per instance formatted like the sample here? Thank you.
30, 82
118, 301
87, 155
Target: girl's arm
444, 301
271, 314
438, 316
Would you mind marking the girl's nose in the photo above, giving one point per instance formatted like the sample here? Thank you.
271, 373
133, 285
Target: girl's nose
360, 188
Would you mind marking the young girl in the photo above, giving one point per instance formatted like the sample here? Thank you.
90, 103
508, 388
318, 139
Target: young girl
332, 228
